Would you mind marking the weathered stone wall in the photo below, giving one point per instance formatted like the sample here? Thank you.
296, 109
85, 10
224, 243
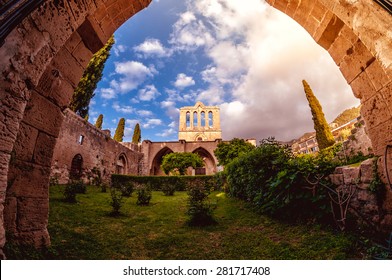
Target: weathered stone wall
97, 149
364, 204
358, 141
41, 62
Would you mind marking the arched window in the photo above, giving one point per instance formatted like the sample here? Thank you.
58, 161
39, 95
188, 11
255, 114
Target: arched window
195, 119
188, 119
76, 167
210, 119
203, 119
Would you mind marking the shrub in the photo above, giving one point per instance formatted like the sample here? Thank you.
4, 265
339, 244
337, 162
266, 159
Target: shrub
127, 189
200, 210
69, 193
116, 201
168, 189
144, 195
281, 184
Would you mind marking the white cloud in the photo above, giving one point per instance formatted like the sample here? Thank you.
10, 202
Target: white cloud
145, 113
119, 49
152, 47
132, 74
151, 123
190, 33
183, 81
108, 93
258, 59
122, 109
148, 93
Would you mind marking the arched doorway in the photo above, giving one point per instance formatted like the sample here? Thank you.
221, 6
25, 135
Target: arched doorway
42, 62
121, 165
209, 162
157, 161
76, 170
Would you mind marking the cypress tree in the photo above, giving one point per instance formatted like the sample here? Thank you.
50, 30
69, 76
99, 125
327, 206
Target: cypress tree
99, 121
119, 134
88, 83
137, 135
324, 135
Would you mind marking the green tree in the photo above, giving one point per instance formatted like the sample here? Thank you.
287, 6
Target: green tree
99, 121
227, 151
137, 134
324, 135
119, 134
180, 162
88, 83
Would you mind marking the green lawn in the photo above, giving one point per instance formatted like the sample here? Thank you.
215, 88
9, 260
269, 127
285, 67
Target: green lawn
87, 231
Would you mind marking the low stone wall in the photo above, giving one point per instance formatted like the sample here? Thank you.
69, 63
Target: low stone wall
370, 205
358, 141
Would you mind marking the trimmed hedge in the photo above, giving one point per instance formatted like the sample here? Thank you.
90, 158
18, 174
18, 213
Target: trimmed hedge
158, 183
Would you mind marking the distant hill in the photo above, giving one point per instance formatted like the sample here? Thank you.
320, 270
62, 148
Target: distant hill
347, 115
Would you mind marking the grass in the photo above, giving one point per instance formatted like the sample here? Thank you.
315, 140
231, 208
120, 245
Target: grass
86, 230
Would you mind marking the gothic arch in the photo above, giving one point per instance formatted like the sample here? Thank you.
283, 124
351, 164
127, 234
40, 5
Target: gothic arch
209, 162
157, 161
122, 164
43, 58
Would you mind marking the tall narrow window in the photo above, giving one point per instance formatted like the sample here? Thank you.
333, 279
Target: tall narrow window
195, 119
203, 119
210, 119
188, 119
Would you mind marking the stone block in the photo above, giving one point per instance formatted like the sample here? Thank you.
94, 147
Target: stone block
25, 142
292, 7
386, 93
32, 214
362, 87
386, 222
351, 175
83, 55
375, 111
11, 113
380, 135
367, 173
28, 180
55, 88
330, 35
364, 195
377, 75
36, 238
43, 115
68, 66
358, 58
73, 42
336, 179
43, 150
10, 216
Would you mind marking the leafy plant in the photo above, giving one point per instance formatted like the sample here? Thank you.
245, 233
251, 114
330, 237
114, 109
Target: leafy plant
180, 162
227, 151
168, 189
116, 201
144, 195
200, 210
127, 189
69, 193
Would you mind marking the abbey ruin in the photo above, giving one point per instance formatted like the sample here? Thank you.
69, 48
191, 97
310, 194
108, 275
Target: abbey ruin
45, 46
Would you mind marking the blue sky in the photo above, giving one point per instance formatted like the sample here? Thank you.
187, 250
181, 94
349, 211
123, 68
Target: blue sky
248, 59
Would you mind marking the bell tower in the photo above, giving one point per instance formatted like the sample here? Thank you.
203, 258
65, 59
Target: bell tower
199, 123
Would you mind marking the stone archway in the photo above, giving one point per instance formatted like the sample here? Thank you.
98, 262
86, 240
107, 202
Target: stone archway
209, 163
122, 164
43, 57
157, 161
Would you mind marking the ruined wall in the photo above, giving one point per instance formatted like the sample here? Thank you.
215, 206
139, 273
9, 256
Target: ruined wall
369, 205
97, 149
358, 141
